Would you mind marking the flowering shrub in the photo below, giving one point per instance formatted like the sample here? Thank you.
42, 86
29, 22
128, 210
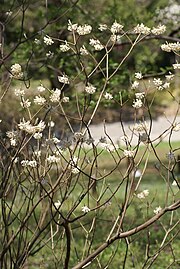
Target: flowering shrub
54, 189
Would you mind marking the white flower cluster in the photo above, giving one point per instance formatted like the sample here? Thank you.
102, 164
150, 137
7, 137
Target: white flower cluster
16, 71
25, 103
176, 66
103, 27
80, 29
63, 79
142, 29
39, 100
41, 88
65, 99
49, 54
138, 75
74, 165
139, 95
159, 30
85, 209
90, 88
53, 159
108, 96
96, 44
128, 153
159, 84
143, 194
55, 96
12, 135
48, 40
72, 27
84, 29
168, 47
27, 163
19, 92
83, 51
64, 47
29, 128
135, 85
37, 135
116, 28
137, 103
157, 210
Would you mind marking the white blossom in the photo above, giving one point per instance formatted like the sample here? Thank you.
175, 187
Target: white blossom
143, 194
96, 44
19, 92
74, 170
142, 29
168, 47
37, 153
41, 88
29, 128
37, 135
116, 28
108, 96
55, 96
157, 210
90, 88
64, 47
140, 95
137, 103
174, 183
157, 82
51, 124
72, 27
27, 163
48, 40
40, 126
49, 54
11, 134
176, 66
84, 29
135, 85
160, 29
16, 71
169, 77
102, 27
39, 100
83, 51
55, 140
37, 41
166, 85
138, 75
65, 99
85, 209
32, 163
63, 79
13, 142
25, 103
53, 159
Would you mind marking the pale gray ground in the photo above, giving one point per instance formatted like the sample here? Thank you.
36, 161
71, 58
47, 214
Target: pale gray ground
160, 125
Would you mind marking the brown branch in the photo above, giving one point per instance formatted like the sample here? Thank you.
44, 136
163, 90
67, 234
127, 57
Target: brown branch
139, 228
